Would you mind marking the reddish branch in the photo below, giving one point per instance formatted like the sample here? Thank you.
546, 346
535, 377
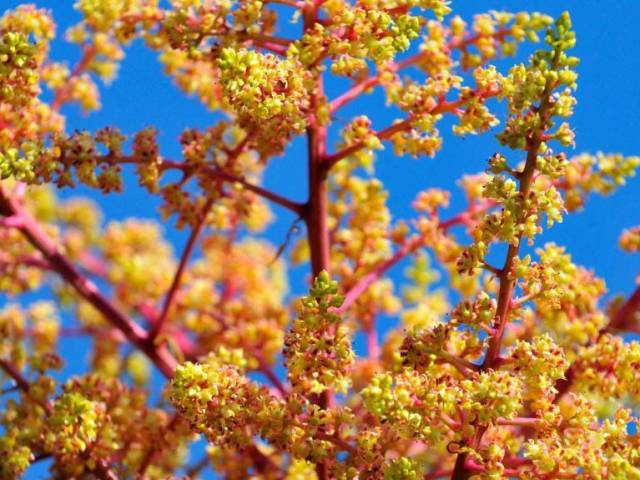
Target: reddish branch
290, 3
370, 82
214, 173
316, 209
177, 278
443, 106
623, 319
21, 219
405, 250
354, 92
507, 282
153, 449
41, 241
61, 95
26, 260
295, 207
22, 383
373, 347
268, 372
384, 134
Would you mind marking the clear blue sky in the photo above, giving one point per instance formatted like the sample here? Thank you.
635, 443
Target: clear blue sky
606, 118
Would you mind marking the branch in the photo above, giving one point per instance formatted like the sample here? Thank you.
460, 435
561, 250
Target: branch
41, 241
194, 471
507, 282
530, 422
290, 3
295, 207
407, 249
156, 328
373, 80
61, 94
384, 134
460, 364
268, 372
153, 448
354, 92
284, 42
213, 172
158, 354
443, 106
619, 321
35, 261
22, 383
373, 347
337, 441
316, 213
624, 316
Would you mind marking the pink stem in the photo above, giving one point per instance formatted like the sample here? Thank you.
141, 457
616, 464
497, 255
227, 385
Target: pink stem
407, 249
156, 328
442, 107
40, 240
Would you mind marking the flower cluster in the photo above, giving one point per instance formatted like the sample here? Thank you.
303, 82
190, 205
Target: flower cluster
565, 296
318, 349
219, 401
630, 240
499, 359
268, 94
598, 173
231, 297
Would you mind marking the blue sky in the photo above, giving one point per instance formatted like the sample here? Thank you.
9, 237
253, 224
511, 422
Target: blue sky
606, 119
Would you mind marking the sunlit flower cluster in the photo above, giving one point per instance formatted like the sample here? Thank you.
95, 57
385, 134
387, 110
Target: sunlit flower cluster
501, 357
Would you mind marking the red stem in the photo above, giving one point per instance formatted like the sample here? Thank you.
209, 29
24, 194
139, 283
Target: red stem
39, 239
620, 321
317, 206
268, 372
156, 329
373, 348
369, 82
443, 106
507, 282
519, 421
316, 211
408, 248
624, 316
384, 134
61, 95
216, 173
22, 383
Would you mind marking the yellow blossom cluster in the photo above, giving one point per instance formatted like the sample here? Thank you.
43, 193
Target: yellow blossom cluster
502, 359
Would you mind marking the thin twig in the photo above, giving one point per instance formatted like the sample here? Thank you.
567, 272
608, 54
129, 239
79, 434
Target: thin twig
362, 86
443, 106
61, 95
156, 329
405, 250
214, 173
293, 229
22, 383
41, 241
